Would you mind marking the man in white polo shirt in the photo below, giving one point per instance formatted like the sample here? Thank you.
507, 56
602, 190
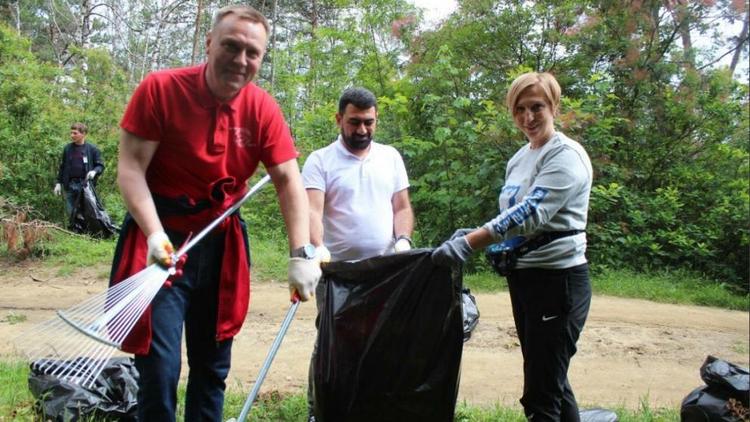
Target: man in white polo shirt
358, 193
358, 188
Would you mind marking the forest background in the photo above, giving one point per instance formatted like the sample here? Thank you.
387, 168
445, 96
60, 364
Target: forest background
664, 120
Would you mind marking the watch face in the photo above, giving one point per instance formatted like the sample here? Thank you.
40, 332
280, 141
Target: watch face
309, 251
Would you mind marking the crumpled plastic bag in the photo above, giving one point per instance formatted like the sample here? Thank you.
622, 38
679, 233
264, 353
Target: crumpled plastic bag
89, 216
470, 312
598, 415
113, 394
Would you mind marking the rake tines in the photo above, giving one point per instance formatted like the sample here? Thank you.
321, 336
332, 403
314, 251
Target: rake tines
57, 348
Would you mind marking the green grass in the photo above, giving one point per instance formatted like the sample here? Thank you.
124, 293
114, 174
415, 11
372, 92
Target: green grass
16, 401
16, 404
70, 253
667, 287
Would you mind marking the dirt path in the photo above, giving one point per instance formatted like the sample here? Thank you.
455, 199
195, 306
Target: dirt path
630, 350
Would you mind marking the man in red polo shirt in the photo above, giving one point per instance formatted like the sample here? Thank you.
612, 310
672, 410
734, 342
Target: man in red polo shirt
190, 139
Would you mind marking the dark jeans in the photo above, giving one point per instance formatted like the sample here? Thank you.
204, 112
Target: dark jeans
71, 193
192, 299
549, 308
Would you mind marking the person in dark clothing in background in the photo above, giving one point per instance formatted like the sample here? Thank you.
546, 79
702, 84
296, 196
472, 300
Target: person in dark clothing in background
81, 161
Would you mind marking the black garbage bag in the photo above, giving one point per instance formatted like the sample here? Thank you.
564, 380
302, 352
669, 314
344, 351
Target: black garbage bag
470, 312
113, 394
724, 398
389, 342
89, 216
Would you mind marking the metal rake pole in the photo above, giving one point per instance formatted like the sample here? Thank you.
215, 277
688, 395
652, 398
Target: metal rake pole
269, 359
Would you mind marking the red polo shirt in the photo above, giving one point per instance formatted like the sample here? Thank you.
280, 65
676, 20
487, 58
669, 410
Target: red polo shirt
207, 151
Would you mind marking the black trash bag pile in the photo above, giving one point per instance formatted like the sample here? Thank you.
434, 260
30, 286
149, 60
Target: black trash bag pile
390, 338
724, 398
113, 394
88, 215
470, 312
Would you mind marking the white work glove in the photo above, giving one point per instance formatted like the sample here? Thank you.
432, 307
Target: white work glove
90, 175
402, 244
304, 275
322, 254
160, 249
57, 190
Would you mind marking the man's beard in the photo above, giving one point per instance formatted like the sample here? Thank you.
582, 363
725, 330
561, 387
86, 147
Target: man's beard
357, 142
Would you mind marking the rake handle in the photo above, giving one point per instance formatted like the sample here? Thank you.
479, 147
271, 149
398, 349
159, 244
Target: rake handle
183, 250
269, 358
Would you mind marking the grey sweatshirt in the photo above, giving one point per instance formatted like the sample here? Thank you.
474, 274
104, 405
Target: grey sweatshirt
546, 189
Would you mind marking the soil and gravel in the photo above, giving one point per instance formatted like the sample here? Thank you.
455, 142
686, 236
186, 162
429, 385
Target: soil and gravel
630, 351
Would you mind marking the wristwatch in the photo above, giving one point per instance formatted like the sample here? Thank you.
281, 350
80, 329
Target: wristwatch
305, 251
408, 239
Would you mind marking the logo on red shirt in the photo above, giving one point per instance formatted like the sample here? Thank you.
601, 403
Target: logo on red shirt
242, 137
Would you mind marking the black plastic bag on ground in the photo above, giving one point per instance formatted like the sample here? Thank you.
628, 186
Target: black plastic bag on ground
724, 398
470, 312
89, 216
389, 341
113, 394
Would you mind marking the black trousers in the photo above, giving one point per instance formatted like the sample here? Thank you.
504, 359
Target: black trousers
549, 308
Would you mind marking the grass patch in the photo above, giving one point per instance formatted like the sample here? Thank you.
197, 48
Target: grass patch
13, 318
667, 287
69, 253
16, 404
679, 287
16, 401
269, 258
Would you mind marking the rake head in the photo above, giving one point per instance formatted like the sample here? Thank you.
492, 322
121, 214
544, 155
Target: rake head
76, 344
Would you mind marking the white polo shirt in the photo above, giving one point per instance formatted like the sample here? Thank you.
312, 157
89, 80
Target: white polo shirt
357, 214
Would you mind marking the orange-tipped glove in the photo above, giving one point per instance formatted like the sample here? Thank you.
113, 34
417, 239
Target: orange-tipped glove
177, 271
160, 249
304, 275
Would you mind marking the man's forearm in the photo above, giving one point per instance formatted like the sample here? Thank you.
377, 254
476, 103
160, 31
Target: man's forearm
403, 222
139, 202
292, 201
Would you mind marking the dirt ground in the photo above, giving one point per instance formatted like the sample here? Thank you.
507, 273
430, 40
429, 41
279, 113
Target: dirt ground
630, 350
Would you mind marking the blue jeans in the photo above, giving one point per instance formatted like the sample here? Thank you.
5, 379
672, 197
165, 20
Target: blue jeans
550, 309
192, 299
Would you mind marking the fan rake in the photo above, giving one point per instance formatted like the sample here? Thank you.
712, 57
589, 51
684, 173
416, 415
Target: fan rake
77, 343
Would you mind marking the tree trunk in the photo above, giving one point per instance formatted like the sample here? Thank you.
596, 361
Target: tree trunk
85, 23
741, 40
273, 43
196, 34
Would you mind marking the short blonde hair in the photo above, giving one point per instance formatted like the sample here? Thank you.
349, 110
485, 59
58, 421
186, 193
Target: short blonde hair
243, 12
544, 80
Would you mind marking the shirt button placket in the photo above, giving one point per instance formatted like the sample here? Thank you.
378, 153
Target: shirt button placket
221, 130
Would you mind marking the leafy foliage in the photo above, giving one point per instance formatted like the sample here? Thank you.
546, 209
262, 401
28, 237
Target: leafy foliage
666, 128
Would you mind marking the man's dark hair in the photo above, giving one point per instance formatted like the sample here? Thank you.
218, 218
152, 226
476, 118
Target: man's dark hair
358, 97
79, 127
